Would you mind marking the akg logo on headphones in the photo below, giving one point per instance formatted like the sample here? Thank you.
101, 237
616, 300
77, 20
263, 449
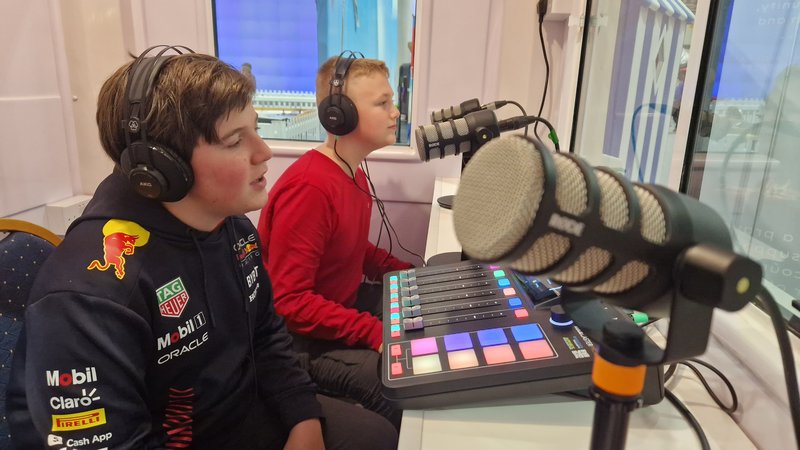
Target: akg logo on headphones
133, 125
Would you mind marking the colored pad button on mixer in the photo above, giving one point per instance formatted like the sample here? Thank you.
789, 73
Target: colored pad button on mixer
424, 346
492, 336
535, 349
514, 302
527, 332
393, 278
499, 354
426, 364
503, 282
499, 274
458, 341
462, 359
397, 369
521, 313
509, 291
395, 350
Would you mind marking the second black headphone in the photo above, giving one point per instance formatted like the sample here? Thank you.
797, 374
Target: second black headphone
154, 170
337, 113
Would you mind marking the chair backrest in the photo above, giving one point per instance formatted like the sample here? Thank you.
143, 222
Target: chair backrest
23, 249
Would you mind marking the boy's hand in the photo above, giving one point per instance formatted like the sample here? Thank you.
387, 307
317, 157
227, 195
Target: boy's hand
306, 435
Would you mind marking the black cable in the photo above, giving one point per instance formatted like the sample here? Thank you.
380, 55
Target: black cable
523, 113
670, 371
689, 418
384, 218
542, 10
381, 209
390, 226
378, 202
734, 398
587, 21
787, 357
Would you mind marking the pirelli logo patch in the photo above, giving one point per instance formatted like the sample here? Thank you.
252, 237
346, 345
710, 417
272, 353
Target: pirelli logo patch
79, 420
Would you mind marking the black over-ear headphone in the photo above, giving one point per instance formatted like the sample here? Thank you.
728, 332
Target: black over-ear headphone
154, 170
337, 113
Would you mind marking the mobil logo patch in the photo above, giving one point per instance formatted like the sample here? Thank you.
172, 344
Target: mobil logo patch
73, 377
172, 298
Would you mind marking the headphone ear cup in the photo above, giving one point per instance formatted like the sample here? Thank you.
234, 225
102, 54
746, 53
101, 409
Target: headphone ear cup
156, 172
340, 118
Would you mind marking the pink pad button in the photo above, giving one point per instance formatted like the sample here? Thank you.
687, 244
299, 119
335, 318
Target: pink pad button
498, 354
397, 369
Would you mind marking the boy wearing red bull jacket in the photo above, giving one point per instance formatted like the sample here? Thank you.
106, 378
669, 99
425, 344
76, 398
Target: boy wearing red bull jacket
152, 326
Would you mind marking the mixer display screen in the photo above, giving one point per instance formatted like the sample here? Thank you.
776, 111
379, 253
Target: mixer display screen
467, 332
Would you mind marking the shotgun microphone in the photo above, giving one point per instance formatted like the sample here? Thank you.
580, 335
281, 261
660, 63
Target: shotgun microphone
464, 135
466, 107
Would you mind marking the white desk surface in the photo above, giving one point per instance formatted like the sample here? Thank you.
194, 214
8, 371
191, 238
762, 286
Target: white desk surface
557, 421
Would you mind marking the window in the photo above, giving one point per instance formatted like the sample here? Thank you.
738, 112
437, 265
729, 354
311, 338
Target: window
746, 155
282, 43
631, 90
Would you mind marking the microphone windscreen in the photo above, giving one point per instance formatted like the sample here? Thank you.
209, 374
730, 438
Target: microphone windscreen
418, 136
498, 198
502, 213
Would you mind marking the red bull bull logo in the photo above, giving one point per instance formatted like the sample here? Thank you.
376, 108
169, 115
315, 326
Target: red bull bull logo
121, 237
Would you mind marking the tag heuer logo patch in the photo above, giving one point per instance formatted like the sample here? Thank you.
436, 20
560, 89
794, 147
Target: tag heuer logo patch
172, 298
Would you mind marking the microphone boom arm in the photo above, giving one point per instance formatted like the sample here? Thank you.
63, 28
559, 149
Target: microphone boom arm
705, 277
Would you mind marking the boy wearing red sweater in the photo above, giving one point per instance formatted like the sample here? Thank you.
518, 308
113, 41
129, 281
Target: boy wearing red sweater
315, 231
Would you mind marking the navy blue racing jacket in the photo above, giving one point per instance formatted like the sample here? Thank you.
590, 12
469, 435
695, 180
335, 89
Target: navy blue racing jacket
143, 333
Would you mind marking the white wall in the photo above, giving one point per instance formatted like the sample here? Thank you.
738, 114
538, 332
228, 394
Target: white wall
464, 49
37, 160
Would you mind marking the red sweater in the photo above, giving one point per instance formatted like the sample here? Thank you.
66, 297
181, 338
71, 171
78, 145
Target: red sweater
315, 230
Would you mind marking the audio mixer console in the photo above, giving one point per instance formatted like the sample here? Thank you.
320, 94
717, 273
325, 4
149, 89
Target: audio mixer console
468, 332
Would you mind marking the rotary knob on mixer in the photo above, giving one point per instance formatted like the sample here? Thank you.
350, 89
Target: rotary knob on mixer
559, 317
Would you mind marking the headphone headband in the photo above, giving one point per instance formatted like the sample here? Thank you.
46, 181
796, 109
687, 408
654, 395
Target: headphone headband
141, 78
154, 170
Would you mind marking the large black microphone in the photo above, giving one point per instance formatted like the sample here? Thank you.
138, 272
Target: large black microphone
464, 135
592, 230
466, 107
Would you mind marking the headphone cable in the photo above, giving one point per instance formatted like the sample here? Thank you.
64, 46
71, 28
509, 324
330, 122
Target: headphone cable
385, 222
383, 208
